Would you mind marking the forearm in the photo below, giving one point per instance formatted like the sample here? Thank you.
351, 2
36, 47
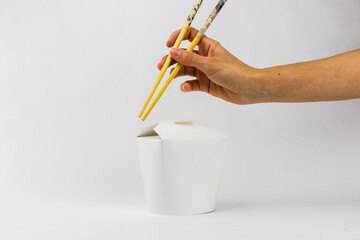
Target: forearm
329, 79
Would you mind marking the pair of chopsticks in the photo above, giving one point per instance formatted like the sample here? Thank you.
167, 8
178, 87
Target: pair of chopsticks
181, 36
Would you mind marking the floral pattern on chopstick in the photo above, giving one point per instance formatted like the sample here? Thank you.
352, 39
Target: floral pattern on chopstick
193, 12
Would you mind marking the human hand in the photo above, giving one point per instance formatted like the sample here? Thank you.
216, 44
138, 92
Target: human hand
217, 71
222, 75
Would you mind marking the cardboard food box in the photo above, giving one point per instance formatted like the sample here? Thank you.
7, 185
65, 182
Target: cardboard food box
181, 164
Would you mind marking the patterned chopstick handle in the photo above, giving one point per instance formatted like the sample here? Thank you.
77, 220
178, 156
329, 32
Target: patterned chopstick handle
193, 12
211, 17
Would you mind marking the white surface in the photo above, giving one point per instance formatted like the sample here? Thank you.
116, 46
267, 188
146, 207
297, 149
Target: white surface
181, 169
232, 221
74, 75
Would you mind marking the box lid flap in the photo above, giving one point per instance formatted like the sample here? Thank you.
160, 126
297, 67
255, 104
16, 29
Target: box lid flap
148, 131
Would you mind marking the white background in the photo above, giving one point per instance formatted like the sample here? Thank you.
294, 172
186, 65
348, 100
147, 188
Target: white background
74, 75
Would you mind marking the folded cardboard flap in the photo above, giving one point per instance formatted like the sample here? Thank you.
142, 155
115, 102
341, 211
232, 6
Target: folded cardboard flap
148, 131
181, 130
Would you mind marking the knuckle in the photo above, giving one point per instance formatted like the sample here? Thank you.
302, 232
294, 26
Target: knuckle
206, 69
208, 66
189, 57
216, 43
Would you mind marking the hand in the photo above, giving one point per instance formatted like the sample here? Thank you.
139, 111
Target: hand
217, 72
222, 75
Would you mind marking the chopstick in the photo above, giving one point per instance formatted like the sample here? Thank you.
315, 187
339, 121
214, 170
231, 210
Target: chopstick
178, 41
195, 41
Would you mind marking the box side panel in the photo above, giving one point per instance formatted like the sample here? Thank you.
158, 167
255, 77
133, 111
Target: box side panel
192, 172
150, 154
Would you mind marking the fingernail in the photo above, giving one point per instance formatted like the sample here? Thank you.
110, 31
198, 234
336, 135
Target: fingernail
182, 87
175, 52
185, 87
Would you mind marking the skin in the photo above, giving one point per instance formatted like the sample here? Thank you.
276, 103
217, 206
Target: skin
220, 74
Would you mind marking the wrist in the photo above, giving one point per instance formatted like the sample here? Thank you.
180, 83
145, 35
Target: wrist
259, 88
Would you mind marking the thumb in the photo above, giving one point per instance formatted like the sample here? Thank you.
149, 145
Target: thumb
187, 58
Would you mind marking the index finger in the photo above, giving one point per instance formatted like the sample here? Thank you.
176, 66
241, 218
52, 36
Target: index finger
190, 35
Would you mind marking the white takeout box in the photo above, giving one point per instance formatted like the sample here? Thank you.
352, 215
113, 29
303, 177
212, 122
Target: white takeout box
181, 164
